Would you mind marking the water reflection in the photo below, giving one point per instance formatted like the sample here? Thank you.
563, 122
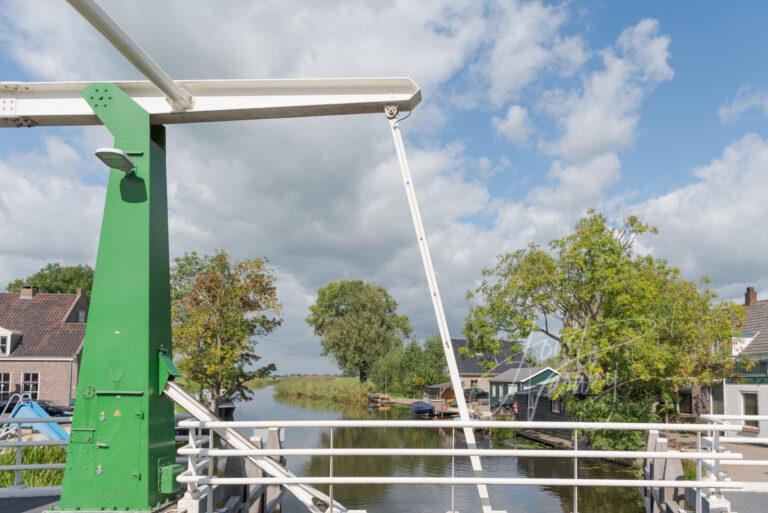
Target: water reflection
431, 499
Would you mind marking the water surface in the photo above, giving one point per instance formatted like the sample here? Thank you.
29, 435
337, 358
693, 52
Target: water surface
428, 498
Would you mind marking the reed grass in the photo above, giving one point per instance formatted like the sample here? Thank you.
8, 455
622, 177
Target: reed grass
34, 455
324, 388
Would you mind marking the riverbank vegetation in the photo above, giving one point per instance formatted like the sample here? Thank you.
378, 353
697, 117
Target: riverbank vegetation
33, 456
323, 388
631, 330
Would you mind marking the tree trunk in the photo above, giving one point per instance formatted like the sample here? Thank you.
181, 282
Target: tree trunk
363, 376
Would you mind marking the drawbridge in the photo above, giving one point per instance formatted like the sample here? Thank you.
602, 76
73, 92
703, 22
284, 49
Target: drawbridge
121, 454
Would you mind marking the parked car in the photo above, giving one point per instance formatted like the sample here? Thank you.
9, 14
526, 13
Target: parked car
56, 411
508, 405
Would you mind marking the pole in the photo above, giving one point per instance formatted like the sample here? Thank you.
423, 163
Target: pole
179, 98
437, 302
122, 450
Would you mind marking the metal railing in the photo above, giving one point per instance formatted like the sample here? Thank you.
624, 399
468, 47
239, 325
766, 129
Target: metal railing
706, 460
18, 489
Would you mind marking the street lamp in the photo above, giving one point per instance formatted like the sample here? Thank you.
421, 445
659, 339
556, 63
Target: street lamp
116, 159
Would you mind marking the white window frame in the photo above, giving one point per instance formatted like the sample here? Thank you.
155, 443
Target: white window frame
5, 395
552, 403
6, 339
750, 423
36, 395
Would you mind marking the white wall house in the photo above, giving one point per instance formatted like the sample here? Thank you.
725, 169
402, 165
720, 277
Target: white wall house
747, 392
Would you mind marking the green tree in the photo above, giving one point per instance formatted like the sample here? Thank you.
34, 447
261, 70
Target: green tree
628, 323
406, 371
218, 308
358, 323
55, 278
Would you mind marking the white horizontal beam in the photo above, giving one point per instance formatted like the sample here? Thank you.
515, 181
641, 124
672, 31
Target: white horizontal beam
514, 481
59, 103
525, 453
434, 424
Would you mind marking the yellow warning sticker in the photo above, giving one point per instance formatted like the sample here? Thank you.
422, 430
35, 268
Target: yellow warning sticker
117, 413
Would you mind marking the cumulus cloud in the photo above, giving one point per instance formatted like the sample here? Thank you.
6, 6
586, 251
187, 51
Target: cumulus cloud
711, 227
747, 98
525, 42
603, 114
515, 126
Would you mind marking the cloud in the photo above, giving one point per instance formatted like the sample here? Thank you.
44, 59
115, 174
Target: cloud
712, 227
515, 126
603, 115
525, 42
747, 98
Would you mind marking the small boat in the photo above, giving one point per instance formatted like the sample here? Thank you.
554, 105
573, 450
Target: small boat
422, 408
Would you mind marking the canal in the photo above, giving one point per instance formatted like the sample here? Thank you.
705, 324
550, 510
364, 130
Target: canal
421, 498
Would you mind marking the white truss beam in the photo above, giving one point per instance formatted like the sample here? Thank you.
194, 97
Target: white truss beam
25, 104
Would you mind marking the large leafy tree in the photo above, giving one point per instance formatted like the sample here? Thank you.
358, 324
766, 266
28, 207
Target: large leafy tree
627, 323
56, 278
219, 308
358, 323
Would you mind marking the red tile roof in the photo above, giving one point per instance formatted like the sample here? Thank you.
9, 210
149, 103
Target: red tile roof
40, 319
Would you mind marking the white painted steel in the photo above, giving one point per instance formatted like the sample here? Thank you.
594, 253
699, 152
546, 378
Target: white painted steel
708, 440
478, 424
60, 103
178, 97
514, 481
302, 492
527, 453
717, 417
426, 259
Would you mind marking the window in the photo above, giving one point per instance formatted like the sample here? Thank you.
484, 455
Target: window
473, 383
750, 407
4, 346
555, 405
5, 386
31, 384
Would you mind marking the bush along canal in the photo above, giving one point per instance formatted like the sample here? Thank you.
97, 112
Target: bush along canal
413, 499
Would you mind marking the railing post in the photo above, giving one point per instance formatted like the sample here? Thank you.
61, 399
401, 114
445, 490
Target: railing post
575, 470
453, 470
716, 465
17, 481
330, 474
211, 468
698, 472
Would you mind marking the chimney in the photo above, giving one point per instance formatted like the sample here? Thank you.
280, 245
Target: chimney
27, 291
750, 296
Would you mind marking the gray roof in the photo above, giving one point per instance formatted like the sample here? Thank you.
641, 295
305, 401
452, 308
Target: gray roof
473, 365
756, 320
518, 374
46, 324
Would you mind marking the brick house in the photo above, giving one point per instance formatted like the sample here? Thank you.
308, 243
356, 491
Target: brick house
41, 338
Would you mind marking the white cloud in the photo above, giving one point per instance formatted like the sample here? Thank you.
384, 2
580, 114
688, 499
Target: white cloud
713, 226
515, 126
603, 115
747, 98
525, 42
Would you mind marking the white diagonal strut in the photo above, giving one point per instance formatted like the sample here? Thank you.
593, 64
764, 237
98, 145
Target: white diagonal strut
434, 292
178, 97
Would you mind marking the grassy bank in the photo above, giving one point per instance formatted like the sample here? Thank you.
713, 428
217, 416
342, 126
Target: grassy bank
324, 388
35, 455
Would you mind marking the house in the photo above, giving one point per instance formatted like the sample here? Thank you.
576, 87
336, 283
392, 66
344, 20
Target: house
515, 380
471, 370
536, 404
747, 392
41, 337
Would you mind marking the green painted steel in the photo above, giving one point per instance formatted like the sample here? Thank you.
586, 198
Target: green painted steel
122, 432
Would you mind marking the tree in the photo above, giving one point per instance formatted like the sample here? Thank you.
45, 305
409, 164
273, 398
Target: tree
218, 308
55, 278
358, 323
628, 323
407, 371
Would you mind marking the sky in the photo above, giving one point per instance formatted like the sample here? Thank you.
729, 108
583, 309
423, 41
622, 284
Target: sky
533, 112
